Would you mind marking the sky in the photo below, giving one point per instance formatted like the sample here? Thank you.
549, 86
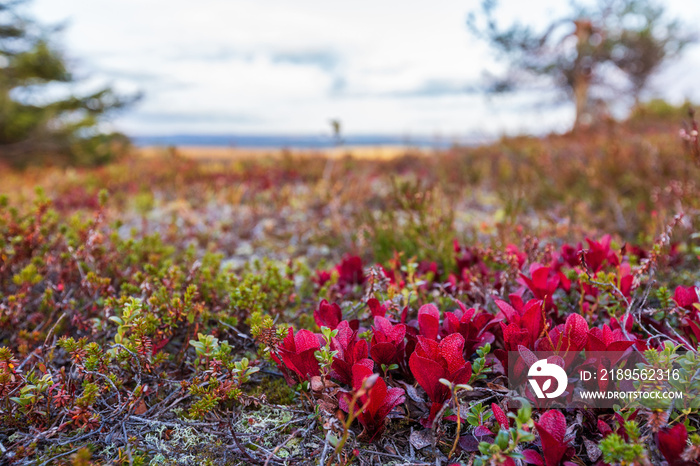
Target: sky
289, 67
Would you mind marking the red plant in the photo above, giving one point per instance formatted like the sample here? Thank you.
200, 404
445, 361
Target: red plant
543, 284
527, 318
387, 341
351, 351
599, 253
472, 325
377, 308
570, 256
604, 428
468, 257
552, 430
672, 442
322, 277
429, 321
297, 353
328, 315
500, 416
564, 338
611, 343
350, 271
513, 251
432, 361
686, 297
378, 401
606, 339
525, 323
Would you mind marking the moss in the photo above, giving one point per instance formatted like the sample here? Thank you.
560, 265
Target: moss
275, 390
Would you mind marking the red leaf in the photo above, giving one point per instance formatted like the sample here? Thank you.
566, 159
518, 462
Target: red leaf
384, 353
350, 271
428, 375
604, 428
328, 315
533, 320
451, 349
306, 340
515, 336
376, 307
672, 442
576, 328
552, 429
685, 297
429, 321
594, 341
507, 310
500, 415
532, 457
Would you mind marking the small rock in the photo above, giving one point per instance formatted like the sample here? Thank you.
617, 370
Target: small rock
421, 438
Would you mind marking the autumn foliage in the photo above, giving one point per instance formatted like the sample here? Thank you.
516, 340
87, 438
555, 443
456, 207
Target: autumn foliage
281, 311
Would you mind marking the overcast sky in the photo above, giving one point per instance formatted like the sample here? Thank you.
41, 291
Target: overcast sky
281, 66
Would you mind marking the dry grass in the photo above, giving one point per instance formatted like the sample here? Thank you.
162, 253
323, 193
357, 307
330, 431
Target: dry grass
387, 152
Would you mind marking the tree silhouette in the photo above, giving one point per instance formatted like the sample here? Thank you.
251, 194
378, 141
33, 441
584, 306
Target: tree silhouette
34, 127
585, 50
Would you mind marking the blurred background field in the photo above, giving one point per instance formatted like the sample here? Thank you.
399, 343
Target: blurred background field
630, 180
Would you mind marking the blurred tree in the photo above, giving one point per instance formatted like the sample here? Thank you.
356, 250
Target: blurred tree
35, 127
591, 48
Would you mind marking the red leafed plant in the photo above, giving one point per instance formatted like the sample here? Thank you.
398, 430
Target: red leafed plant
525, 322
328, 315
599, 253
686, 298
376, 308
543, 282
606, 339
432, 361
373, 403
672, 442
472, 325
552, 431
297, 354
429, 321
351, 351
350, 271
526, 319
387, 342
566, 339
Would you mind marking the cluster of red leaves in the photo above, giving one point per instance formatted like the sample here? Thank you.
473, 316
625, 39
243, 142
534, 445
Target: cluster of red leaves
374, 402
535, 317
429, 355
551, 428
349, 271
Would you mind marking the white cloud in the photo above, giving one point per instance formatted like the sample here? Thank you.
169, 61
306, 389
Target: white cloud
277, 66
